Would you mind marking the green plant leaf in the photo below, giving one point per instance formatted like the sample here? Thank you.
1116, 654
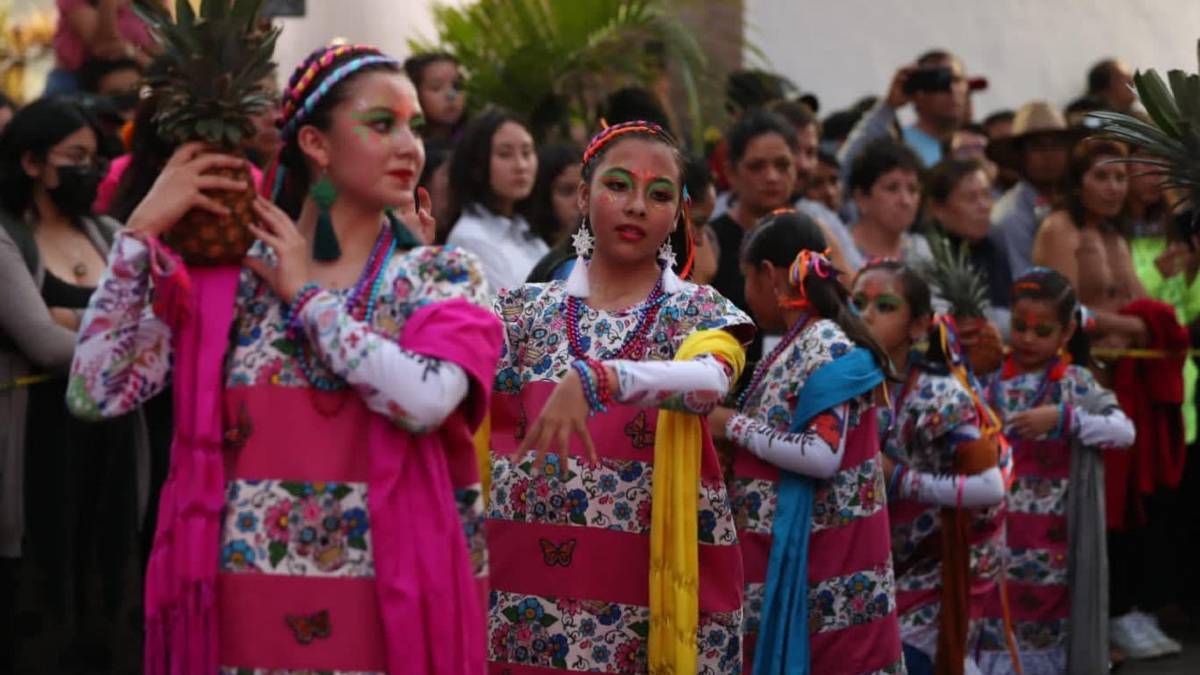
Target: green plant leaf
277, 551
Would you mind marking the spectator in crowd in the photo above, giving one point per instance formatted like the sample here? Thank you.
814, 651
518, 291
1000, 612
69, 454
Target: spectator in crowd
553, 208
1076, 112
959, 200
1037, 150
885, 185
441, 91
492, 171
1082, 240
7, 110
96, 29
631, 104
745, 90
435, 178
970, 142
825, 186
836, 128
263, 146
999, 124
938, 88
1111, 83
698, 180
118, 80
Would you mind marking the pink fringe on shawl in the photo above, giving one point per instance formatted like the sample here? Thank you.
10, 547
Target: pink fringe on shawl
433, 613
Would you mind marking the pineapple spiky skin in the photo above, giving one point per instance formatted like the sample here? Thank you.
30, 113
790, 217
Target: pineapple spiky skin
207, 81
204, 238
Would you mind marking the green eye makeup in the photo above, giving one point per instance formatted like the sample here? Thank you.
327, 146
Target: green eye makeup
885, 303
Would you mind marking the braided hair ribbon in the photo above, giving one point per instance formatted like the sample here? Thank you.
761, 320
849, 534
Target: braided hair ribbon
807, 262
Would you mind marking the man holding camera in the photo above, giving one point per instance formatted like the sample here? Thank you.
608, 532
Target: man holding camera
939, 90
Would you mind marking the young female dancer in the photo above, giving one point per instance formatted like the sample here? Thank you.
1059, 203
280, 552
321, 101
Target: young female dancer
814, 536
587, 575
938, 456
1057, 417
324, 402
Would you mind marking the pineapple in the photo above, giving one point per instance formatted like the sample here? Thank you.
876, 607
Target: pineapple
1171, 138
965, 290
206, 81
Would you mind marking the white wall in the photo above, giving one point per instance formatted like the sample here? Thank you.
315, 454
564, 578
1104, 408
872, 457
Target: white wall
386, 24
843, 49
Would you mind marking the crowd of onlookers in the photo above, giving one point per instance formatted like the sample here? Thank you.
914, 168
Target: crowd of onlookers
1018, 188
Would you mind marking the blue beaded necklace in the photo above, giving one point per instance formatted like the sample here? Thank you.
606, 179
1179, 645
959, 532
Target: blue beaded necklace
361, 304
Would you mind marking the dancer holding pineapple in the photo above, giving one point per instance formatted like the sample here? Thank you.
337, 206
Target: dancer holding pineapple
322, 390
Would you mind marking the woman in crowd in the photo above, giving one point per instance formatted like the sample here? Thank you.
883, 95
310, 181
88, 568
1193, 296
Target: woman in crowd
553, 208
341, 346
1058, 419
491, 173
1082, 241
607, 504
959, 200
74, 494
95, 29
943, 468
442, 93
885, 184
808, 487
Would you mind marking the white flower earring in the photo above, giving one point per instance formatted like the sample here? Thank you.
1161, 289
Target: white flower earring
583, 241
666, 253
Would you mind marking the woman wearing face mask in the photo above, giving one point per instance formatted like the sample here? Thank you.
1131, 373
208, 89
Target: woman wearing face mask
338, 526
72, 493
491, 173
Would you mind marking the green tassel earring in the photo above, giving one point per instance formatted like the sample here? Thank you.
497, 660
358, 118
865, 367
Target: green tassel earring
325, 243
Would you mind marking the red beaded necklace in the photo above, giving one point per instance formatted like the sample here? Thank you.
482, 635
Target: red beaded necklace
634, 346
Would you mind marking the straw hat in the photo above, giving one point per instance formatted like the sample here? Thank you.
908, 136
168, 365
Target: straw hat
1037, 118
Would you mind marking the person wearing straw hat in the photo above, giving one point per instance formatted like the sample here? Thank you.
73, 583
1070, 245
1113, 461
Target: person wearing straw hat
1037, 150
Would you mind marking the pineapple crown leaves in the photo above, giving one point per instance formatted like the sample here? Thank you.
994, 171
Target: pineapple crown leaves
1172, 136
957, 281
207, 77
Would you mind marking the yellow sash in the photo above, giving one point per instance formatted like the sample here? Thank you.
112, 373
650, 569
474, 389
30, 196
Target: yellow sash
674, 552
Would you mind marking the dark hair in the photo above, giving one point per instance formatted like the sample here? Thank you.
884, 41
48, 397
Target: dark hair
697, 176
415, 65
553, 159
148, 154
94, 70
609, 138
941, 180
998, 117
1084, 104
632, 104
36, 129
1046, 285
798, 114
919, 297
1083, 158
471, 164
778, 238
437, 153
300, 90
935, 54
753, 88
6, 102
757, 123
829, 159
1100, 75
837, 126
878, 158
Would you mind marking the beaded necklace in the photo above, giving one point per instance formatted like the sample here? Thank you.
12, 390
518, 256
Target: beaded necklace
634, 345
760, 371
360, 303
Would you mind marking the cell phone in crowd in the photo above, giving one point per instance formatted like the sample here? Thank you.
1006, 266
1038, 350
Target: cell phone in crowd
937, 78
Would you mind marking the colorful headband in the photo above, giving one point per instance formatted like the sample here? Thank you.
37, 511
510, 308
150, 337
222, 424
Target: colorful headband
343, 71
608, 133
1027, 285
807, 262
300, 82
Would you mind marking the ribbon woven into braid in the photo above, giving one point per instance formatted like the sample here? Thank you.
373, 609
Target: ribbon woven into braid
674, 538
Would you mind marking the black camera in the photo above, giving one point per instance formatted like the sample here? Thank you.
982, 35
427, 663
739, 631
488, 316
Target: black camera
938, 78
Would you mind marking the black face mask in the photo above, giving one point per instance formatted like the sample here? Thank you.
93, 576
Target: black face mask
76, 191
126, 101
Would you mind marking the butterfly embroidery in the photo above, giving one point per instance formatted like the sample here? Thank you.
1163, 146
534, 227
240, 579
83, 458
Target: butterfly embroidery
237, 435
638, 434
557, 555
308, 628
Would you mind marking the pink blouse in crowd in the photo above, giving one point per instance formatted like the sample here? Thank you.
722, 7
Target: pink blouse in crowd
68, 46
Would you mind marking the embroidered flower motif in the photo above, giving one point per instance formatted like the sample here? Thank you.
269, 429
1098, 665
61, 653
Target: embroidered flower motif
237, 555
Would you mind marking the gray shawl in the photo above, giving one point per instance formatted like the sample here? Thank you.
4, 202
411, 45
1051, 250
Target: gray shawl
1087, 564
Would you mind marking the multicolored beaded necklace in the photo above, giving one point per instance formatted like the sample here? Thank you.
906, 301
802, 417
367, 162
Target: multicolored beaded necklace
360, 303
634, 346
760, 372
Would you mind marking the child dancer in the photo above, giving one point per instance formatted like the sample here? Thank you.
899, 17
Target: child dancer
932, 430
808, 485
1057, 416
613, 545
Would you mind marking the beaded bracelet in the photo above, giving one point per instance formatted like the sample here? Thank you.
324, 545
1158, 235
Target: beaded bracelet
291, 314
1063, 425
602, 381
590, 391
897, 481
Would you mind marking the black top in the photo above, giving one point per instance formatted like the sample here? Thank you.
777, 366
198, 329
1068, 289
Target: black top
989, 259
58, 293
728, 280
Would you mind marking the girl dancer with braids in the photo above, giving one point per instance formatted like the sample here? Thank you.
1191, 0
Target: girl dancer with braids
1058, 417
612, 543
936, 454
313, 526
808, 487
